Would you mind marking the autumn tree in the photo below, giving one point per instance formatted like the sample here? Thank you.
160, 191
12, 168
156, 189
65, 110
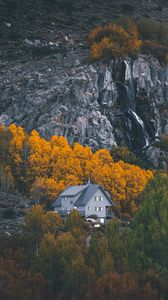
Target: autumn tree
18, 151
21, 285
84, 154
113, 40
124, 182
39, 160
5, 137
53, 223
45, 168
136, 181
38, 222
65, 164
129, 24
127, 286
6, 178
45, 190
35, 227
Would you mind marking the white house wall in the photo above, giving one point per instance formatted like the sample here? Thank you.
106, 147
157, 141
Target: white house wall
92, 204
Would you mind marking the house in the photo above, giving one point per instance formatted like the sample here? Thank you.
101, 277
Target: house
89, 199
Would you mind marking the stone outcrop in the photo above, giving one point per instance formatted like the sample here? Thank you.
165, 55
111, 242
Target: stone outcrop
13, 207
121, 103
47, 83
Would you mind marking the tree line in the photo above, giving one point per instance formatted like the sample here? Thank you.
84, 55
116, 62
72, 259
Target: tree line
42, 168
56, 259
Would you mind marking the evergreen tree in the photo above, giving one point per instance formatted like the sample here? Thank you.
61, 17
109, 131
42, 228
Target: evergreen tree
149, 235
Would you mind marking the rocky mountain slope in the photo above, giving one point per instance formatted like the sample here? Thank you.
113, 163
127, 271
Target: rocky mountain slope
47, 83
13, 207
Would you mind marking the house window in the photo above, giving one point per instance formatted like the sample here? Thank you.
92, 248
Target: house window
71, 202
98, 208
88, 207
98, 198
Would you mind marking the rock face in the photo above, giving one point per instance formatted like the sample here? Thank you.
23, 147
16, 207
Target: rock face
157, 158
12, 213
124, 102
46, 82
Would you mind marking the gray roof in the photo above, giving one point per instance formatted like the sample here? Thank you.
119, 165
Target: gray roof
88, 193
57, 202
73, 190
85, 193
69, 191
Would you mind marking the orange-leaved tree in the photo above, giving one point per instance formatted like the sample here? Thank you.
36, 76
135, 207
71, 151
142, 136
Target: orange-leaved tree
113, 40
45, 190
39, 161
18, 151
47, 167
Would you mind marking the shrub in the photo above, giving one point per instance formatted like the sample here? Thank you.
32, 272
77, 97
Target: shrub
150, 29
99, 50
127, 36
112, 40
157, 50
155, 38
124, 154
129, 24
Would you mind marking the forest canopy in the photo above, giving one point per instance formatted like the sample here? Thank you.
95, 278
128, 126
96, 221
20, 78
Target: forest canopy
55, 258
43, 168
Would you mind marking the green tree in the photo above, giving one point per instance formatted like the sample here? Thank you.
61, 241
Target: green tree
124, 154
34, 227
56, 258
117, 238
79, 279
99, 256
149, 230
73, 220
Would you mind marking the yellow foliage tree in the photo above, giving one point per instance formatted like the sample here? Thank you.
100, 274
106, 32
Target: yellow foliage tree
59, 141
84, 154
51, 166
64, 164
45, 190
39, 160
18, 154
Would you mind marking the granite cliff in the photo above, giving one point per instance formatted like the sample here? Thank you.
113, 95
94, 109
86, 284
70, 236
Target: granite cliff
47, 83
